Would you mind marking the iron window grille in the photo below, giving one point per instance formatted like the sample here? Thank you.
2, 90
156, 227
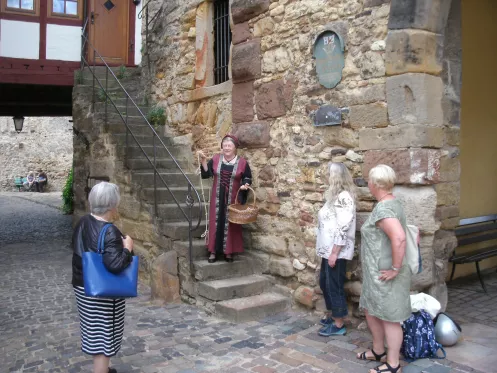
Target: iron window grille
222, 41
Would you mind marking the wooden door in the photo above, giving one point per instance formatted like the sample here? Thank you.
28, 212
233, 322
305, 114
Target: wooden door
109, 30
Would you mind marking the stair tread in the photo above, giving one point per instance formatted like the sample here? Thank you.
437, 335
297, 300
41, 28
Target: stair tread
253, 301
234, 281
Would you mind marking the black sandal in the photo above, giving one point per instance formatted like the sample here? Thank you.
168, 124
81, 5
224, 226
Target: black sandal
389, 368
375, 357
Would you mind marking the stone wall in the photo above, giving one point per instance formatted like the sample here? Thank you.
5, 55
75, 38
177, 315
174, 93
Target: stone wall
44, 143
391, 95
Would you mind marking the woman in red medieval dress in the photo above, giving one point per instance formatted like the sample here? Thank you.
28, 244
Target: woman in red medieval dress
230, 173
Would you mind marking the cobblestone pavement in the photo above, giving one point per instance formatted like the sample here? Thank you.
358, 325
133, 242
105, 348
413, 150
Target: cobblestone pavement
39, 329
468, 301
22, 220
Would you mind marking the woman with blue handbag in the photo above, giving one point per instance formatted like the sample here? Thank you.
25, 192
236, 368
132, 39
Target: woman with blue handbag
101, 318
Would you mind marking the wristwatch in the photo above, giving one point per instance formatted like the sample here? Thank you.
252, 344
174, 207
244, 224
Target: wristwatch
395, 269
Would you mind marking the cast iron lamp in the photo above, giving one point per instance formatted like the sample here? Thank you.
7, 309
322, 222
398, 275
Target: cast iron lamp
18, 123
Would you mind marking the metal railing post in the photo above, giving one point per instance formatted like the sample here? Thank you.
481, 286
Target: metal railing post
106, 92
189, 202
93, 99
155, 176
127, 130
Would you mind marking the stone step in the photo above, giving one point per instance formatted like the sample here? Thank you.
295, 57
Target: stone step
135, 151
252, 308
162, 163
120, 139
171, 211
115, 123
241, 266
164, 195
100, 71
179, 230
138, 127
171, 178
198, 247
132, 109
238, 287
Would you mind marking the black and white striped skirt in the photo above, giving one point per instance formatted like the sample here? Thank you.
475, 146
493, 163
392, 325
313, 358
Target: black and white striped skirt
102, 323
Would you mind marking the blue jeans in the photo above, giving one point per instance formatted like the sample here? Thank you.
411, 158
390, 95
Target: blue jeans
331, 281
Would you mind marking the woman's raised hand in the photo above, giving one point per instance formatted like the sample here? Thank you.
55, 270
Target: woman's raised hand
202, 155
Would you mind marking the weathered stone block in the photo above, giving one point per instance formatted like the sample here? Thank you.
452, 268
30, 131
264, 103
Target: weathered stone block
164, 284
371, 65
429, 15
353, 288
281, 266
419, 206
263, 27
446, 212
444, 244
243, 102
341, 136
356, 96
273, 99
450, 169
415, 99
401, 137
413, 51
244, 10
411, 166
246, 61
252, 135
241, 33
448, 194
369, 116
305, 296
372, 3
271, 244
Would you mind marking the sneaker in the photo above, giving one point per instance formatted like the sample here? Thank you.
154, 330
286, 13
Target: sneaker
326, 321
332, 329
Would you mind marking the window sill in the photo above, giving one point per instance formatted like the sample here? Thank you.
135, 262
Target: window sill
206, 92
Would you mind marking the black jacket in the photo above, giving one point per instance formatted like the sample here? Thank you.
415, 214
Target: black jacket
85, 238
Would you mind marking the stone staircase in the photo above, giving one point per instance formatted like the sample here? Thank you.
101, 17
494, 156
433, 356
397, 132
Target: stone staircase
237, 291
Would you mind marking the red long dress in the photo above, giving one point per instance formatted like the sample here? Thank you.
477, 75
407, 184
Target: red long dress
225, 237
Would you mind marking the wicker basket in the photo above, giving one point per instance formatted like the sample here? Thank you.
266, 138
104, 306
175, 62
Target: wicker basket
242, 214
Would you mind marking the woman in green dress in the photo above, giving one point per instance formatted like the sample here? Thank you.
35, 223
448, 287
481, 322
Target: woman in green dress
386, 279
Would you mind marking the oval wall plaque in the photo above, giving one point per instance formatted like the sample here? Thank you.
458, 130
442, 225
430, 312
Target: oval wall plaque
330, 60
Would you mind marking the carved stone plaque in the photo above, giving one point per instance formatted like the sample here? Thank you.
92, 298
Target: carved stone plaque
330, 61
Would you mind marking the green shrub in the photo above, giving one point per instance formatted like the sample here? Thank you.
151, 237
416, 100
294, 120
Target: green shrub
122, 73
156, 116
101, 96
68, 195
79, 77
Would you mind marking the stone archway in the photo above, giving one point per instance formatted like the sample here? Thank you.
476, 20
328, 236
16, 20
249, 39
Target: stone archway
422, 141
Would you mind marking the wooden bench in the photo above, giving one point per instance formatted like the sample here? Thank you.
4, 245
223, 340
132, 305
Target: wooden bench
472, 231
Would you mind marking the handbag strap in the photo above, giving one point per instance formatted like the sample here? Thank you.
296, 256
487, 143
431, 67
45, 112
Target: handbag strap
101, 238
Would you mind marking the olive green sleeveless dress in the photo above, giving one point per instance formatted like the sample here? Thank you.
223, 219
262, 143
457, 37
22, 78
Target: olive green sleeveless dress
387, 300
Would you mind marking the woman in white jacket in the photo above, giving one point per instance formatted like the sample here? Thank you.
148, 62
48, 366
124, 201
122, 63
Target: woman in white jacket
335, 245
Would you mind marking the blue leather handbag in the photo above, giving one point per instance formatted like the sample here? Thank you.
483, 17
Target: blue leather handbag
101, 283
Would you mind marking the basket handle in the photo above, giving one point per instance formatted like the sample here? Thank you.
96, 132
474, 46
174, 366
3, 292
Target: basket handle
236, 198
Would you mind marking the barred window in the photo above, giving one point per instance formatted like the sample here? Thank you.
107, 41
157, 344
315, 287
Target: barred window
222, 41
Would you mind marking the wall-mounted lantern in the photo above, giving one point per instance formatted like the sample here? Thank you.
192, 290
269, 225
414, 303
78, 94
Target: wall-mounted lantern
18, 123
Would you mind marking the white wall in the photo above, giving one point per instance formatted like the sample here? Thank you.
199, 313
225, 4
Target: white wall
138, 36
63, 43
19, 39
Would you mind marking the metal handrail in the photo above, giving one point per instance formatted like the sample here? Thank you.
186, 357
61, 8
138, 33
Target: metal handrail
190, 201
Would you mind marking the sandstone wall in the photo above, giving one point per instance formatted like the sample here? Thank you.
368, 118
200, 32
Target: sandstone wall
391, 98
44, 143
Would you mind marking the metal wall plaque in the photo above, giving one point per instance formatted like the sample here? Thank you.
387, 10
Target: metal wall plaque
328, 115
330, 60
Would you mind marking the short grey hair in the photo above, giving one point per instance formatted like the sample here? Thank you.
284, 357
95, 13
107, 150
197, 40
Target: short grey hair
103, 197
382, 177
